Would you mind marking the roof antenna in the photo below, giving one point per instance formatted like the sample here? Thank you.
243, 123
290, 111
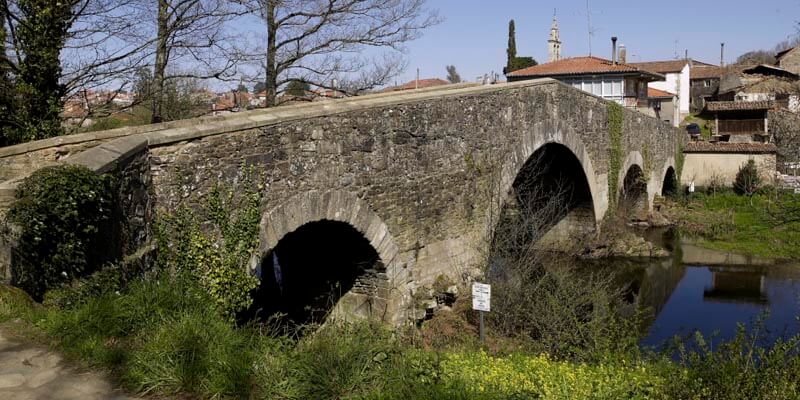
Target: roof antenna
589, 26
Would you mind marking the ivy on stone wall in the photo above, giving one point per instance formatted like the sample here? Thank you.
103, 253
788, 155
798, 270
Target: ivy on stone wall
647, 160
66, 219
679, 159
615, 124
214, 243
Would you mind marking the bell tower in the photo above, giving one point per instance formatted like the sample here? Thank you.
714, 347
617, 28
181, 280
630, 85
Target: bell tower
554, 43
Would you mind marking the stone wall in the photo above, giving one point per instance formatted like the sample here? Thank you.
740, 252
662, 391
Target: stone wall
422, 175
785, 129
431, 170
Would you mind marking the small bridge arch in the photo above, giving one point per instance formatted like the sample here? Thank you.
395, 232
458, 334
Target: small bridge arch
352, 235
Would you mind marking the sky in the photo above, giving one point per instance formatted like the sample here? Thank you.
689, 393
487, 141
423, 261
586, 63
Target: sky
474, 34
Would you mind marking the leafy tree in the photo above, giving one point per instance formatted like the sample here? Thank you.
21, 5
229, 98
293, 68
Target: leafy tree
40, 38
519, 63
514, 63
511, 51
297, 88
452, 74
747, 179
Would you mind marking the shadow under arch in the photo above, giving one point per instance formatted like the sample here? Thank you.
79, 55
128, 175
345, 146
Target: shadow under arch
549, 205
633, 193
324, 253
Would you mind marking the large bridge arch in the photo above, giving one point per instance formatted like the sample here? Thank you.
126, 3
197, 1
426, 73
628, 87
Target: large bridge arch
667, 179
545, 134
342, 216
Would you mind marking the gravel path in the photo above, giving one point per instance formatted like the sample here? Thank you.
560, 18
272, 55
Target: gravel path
30, 372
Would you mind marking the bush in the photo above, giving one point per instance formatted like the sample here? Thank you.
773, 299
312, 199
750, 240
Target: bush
66, 218
748, 179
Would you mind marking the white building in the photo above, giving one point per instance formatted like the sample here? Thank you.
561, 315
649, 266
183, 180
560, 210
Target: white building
677, 74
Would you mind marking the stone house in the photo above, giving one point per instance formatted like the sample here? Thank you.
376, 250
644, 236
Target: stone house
789, 60
704, 85
762, 83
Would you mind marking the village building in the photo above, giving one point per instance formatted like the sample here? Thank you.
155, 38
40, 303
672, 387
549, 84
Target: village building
740, 121
789, 60
678, 80
662, 105
704, 85
622, 83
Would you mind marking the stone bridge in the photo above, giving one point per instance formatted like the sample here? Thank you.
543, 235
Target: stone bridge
416, 179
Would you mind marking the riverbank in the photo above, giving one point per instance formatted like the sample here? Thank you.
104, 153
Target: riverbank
164, 338
758, 226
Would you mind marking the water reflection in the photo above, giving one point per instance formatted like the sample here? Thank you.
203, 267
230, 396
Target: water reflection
711, 292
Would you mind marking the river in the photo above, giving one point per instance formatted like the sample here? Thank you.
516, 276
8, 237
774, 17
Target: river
697, 289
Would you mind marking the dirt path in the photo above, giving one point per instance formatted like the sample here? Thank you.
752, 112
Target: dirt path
29, 371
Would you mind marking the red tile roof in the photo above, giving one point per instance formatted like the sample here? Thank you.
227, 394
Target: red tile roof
655, 93
422, 83
728, 147
663, 67
739, 105
577, 66
705, 72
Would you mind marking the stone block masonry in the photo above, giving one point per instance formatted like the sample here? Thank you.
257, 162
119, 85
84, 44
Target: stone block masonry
421, 175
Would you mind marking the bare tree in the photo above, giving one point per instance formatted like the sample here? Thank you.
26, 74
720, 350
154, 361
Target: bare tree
325, 43
192, 35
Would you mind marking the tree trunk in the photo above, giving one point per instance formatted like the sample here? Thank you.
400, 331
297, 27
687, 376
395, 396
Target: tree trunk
159, 70
271, 83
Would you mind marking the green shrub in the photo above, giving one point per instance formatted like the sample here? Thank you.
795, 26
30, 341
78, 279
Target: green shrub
67, 231
217, 253
748, 179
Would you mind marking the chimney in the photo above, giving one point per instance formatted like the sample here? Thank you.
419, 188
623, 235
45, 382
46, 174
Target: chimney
623, 54
686, 54
613, 49
722, 54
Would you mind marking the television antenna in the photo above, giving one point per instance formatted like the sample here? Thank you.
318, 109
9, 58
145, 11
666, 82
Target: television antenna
589, 29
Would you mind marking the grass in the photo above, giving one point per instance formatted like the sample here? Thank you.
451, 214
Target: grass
740, 224
164, 338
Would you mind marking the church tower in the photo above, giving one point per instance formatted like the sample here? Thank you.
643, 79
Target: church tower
554, 43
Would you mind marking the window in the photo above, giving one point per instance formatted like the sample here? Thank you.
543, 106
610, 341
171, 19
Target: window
616, 88
597, 88
607, 88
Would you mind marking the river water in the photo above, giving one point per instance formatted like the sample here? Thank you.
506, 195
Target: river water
696, 289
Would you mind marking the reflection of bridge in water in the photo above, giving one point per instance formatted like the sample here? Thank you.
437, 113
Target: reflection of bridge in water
684, 294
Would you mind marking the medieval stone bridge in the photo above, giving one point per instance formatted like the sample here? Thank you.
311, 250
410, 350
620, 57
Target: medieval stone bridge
419, 177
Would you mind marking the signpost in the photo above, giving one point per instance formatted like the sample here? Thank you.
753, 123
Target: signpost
481, 301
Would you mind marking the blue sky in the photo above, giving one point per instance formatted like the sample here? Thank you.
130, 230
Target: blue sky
474, 34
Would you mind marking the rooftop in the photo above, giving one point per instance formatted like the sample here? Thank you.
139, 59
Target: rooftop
705, 72
581, 66
738, 105
655, 93
729, 147
663, 67
418, 84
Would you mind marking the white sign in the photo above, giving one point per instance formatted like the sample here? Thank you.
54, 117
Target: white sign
481, 297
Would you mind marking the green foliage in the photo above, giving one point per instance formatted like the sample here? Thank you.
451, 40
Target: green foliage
615, 124
518, 63
680, 158
66, 218
511, 50
218, 252
748, 179
39, 92
746, 225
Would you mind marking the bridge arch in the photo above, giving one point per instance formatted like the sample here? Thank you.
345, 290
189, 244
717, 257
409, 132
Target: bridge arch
669, 178
349, 270
548, 134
